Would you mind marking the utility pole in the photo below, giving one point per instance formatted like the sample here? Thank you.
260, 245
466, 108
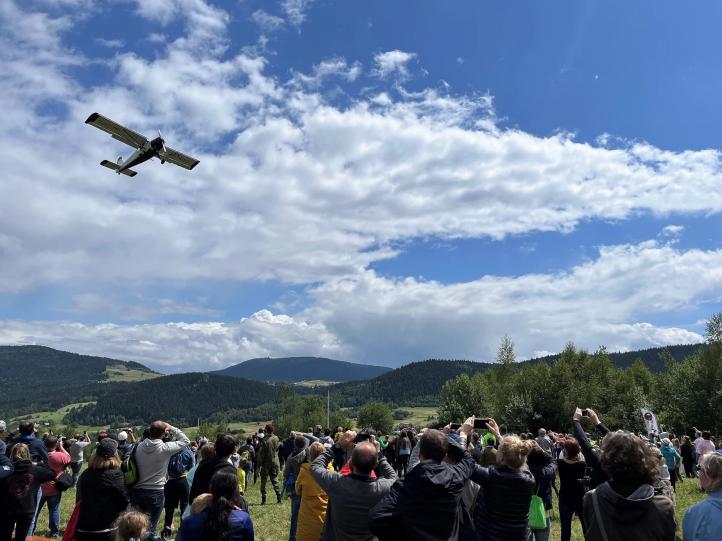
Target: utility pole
328, 408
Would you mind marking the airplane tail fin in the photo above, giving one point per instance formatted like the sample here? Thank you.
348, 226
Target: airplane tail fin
115, 167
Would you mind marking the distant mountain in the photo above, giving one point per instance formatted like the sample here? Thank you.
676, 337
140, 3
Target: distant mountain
179, 399
420, 383
297, 369
38, 378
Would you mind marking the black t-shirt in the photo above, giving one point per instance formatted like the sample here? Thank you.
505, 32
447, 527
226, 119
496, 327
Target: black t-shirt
569, 475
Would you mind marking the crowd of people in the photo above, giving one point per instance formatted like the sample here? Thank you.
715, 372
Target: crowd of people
468, 482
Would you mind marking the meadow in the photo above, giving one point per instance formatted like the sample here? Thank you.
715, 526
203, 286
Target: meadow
271, 521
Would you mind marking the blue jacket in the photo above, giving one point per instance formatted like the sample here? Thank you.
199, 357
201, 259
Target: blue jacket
192, 527
671, 456
37, 449
703, 521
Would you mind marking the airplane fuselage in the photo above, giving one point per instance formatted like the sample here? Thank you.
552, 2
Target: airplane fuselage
146, 152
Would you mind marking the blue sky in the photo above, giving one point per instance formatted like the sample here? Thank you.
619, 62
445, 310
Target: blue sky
379, 181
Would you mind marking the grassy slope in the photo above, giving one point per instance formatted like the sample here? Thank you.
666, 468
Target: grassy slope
271, 521
120, 372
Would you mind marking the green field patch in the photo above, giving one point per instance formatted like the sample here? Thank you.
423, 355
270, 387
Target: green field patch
123, 373
315, 383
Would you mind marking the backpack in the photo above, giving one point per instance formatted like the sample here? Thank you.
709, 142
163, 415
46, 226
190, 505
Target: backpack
176, 465
129, 467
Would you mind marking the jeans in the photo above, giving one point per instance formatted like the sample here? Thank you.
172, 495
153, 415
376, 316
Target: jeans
248, 469
53, 512
541, 535
21, 524
176, 493
149, 502
75, 467
295, 508
38, 497
566, 514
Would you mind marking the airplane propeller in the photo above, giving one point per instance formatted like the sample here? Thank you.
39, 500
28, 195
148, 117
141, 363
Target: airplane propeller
162, 141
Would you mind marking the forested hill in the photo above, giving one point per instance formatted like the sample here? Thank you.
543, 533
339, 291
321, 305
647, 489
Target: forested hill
179, 399
37, 378
295, 369
417, 383
420, 383
651, 357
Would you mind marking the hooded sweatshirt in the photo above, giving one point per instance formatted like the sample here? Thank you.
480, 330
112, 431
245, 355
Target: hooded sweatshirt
426, 505
19, 491
152, 457
641, 516
703, 521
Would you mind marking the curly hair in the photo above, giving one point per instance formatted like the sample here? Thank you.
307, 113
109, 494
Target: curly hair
513, 451
627, 458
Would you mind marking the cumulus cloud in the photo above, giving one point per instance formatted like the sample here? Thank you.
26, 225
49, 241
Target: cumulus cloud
175, 347
393, 63
373, 319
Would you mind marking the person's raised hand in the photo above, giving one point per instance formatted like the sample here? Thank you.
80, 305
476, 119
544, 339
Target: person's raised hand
347, 439
494, 429
376, 443
593, 417
577, 414
468, 426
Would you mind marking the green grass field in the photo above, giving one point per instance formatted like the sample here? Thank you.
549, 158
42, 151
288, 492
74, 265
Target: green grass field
121, 372
271, 521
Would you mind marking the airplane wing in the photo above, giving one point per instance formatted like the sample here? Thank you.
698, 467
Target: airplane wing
121, 133
178, 158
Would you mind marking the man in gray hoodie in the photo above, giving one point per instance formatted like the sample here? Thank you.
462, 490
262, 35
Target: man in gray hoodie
351, 497
152, 456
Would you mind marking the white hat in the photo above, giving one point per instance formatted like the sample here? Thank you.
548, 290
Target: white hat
3, 426
122, 435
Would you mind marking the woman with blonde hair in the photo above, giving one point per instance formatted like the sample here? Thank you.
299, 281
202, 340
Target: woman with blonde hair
102, 494
502, 508
314, 500
133, 526
703, 521
19, 493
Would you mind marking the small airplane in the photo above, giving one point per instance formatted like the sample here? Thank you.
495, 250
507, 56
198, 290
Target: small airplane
144, 149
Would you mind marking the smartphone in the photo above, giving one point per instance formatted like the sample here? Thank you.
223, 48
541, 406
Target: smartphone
481, 423
585, 413
455, 426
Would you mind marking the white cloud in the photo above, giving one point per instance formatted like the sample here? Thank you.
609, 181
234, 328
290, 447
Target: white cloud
110, 43
296, 10
334, 67
603, 302
378, 320
181, 346
393, 63
672, 231
265, 21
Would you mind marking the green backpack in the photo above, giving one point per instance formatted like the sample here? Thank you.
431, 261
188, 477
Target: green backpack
129, 467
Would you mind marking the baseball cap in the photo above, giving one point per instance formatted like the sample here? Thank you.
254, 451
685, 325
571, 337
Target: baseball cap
107, 448
122, 435
3, 426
